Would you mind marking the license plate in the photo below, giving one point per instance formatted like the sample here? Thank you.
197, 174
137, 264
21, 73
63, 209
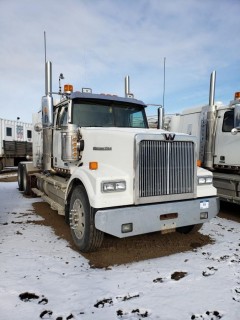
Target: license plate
204, 204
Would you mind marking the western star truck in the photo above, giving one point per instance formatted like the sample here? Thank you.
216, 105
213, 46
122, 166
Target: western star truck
15, 142
217, 128
97, 163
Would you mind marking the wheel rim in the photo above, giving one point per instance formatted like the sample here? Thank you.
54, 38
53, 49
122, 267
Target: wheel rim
78, 219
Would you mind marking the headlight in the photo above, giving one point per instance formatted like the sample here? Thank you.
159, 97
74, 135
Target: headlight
113, 186
205, 180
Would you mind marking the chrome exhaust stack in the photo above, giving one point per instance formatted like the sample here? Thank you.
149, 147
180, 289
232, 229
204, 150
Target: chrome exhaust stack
47, 116
211, 120
47, 100
127, 86
48, 78
212, 88
128, 94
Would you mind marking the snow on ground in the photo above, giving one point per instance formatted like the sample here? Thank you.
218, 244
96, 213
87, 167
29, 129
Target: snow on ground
42, 278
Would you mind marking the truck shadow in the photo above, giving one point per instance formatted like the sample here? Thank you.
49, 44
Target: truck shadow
229, 211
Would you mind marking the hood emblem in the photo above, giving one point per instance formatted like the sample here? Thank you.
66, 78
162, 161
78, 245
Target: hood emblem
169, 136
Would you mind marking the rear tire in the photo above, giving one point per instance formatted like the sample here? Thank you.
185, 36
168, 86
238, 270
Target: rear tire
26, 181
1, 165
86, 237
20, 176
190, 229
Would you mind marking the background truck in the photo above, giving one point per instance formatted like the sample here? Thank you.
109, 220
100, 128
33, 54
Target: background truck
15, 142
97, 163
217, 128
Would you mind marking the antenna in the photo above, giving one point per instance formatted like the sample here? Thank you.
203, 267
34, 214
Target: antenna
45, 47
164, 77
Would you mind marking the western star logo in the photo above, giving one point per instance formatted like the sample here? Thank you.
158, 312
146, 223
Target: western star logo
169, 136
102, 148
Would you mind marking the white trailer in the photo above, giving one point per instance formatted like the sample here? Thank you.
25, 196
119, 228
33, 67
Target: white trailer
217, 129
97, 163
15, 142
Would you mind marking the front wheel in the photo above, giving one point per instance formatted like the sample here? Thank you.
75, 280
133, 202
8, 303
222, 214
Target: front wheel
190, 229
81, 216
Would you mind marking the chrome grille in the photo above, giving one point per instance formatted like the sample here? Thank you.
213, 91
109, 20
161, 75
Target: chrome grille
165, 168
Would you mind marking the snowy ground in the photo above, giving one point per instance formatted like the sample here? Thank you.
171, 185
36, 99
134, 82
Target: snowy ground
42, 277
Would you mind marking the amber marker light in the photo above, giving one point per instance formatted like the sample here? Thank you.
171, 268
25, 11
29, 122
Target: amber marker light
93, 165
68, 88
237, 95
199, 163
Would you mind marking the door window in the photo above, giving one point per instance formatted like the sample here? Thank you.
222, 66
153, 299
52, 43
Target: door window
62, 118
228, 121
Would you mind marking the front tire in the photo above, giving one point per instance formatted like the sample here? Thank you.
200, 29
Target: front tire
86, 237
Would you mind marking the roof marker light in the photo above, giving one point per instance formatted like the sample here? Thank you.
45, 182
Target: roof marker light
237, 95
68, 88
86, 90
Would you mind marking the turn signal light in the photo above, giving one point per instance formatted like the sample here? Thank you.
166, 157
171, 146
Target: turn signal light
93, 165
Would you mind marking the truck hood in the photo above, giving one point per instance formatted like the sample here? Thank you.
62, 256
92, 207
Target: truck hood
127, 131
116, 146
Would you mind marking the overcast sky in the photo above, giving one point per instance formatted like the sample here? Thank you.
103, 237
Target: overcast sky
97, 43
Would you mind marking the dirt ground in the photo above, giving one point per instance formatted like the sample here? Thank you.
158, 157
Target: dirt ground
8, 179
121, 251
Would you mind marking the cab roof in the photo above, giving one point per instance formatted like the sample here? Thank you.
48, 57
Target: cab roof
108, 97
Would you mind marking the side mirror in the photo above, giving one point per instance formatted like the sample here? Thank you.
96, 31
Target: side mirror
237, 117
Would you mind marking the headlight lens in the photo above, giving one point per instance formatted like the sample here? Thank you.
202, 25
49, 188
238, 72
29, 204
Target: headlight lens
113, 186
205, 180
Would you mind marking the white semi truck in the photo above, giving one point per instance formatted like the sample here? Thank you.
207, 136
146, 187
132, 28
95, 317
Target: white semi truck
97, 163
217, 128
15, 142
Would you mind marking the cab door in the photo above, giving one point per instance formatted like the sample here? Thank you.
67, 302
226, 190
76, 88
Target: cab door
61, 121
227, 151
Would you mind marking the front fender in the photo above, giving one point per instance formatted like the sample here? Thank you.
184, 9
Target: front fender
91, 180
82, 176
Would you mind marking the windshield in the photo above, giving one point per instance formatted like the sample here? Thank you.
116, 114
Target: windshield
108, 114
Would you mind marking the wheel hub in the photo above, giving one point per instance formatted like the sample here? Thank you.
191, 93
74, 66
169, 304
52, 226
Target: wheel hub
77, 219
